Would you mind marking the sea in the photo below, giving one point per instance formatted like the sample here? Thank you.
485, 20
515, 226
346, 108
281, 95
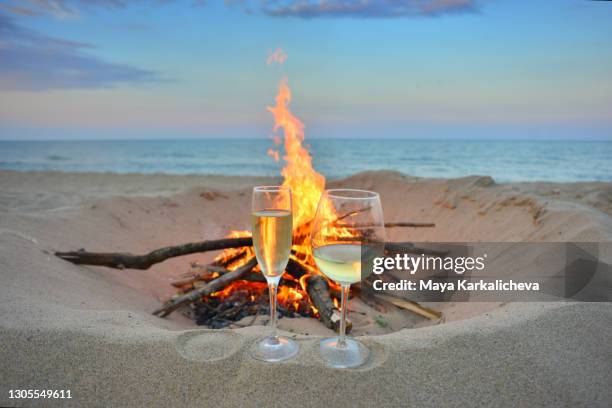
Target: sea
504, 160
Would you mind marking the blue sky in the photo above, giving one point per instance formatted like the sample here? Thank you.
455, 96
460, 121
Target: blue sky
375, 68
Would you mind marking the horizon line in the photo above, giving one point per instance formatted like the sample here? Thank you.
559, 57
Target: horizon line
229, 138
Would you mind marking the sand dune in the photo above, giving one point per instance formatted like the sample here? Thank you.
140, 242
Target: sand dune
90, 329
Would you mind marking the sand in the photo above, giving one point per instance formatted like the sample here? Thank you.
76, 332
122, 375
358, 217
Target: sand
90, 329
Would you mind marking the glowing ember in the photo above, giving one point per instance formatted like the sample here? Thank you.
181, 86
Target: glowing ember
235, 257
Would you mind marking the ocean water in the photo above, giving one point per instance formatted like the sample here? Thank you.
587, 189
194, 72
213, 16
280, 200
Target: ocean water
505, 161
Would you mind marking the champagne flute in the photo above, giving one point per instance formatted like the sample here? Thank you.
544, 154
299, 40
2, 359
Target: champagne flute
347, 233
272, 219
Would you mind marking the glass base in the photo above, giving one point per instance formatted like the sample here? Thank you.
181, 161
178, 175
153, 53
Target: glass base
274, 349
351, 354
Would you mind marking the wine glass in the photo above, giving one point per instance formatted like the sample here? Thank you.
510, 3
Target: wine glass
347, 233
272, 219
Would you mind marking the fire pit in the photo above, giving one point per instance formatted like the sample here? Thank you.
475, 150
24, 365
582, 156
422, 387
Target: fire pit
232, 286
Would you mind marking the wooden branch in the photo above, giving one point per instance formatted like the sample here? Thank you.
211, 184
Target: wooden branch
410, 305
296, 269
209, 268
351, 213
329, 315
409, 247
120, 260
399, 224
211, 287
410, 224
367, 289
229, 260
199, 273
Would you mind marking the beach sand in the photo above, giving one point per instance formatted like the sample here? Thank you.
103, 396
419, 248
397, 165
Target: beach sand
90, 330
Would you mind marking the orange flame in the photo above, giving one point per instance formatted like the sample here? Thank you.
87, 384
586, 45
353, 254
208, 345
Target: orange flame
305, 182
235, 257
307, 186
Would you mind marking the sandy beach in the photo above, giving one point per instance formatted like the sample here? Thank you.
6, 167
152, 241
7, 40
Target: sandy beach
90, 329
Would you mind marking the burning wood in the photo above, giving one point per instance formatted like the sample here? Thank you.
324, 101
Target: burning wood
235, 286
318, 290
205, 290
232, 287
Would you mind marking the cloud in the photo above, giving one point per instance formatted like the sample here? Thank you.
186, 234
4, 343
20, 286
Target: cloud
366, 8
61, 8
276, 8
19, 10
33, 61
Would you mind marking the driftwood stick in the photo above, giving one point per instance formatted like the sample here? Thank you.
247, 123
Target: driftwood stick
409, 247
211, 287
399, 224
209, 268
203, 272
199, 273
229, 260
398, 301
409, 224
351, 213
120, 260
329, 315
411, 306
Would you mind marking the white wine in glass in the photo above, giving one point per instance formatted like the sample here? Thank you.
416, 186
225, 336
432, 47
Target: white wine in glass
347, 232
272, 219
340, 262
272, 231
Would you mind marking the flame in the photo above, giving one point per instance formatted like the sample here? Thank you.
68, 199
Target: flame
233, 258
307, 186
305, 182
292, 299
274, 154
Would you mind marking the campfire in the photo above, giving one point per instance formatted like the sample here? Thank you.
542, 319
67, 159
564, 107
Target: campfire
232, 287
303, 291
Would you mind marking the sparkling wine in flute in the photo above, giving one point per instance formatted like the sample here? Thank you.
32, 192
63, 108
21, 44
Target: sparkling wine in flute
272, 220
272, 235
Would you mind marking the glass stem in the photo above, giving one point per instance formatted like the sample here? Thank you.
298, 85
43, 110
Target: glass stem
344, 312
273, 287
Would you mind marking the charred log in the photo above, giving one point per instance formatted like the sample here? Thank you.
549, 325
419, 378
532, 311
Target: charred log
329, 315
207, 289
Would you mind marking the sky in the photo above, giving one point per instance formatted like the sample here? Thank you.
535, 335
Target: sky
130, 69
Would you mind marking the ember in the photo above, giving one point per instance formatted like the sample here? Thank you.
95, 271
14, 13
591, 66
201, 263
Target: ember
244, 298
